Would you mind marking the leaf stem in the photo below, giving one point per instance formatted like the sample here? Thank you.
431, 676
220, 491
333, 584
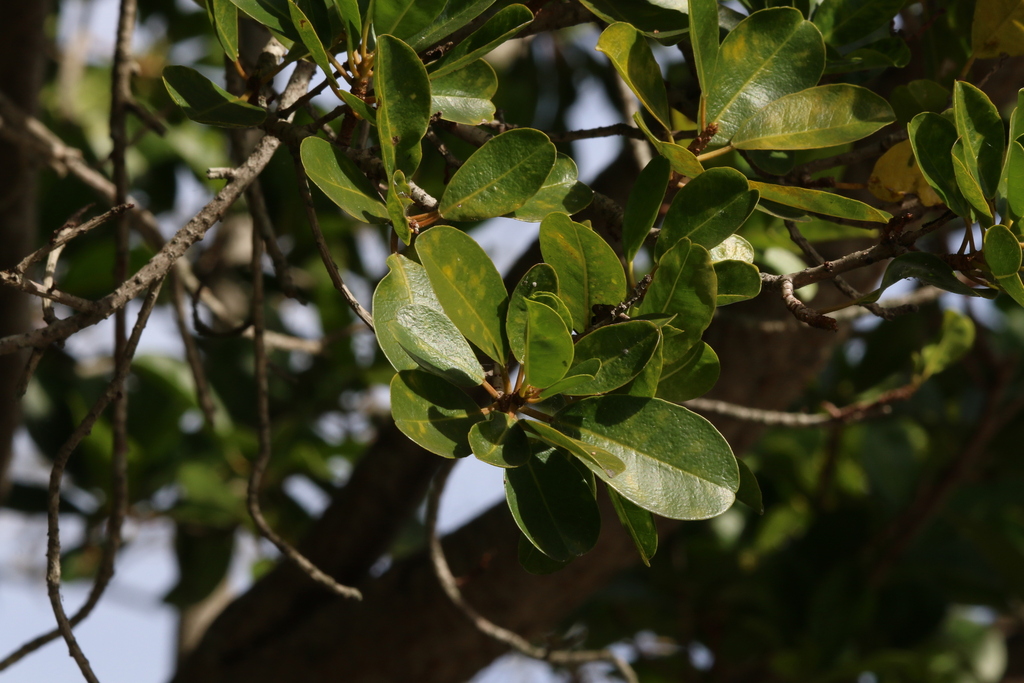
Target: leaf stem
715, 153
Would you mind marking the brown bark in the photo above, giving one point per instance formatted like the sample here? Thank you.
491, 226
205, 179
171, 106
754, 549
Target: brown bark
22, 57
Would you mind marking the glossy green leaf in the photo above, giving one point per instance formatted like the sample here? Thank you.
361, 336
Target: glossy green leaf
998, 28
955, 339
500, 177
404, 18
360, 107
918, 96
690, 368
468, 286
1014, 174
540, 278
846, 21
205, 102
677, 464
406, 283
1003, 257
576, 377
588, 270
656, 19
433, 413
403, 96
536, 562
398, 201
734, 248
707, 210
548, 348
824, 116
273, 14
644, 384
592, 456
881, 54
704, 40
770, 54
308, 35
623, 349
349, 12
929, 269
820, 202
561, 192
638, 523
464, 96
682, 160
981, 128
455, 15
224, 17
749, 492
737, 281
500, 441
556, 304
505, 24
932, 136
684, 284
340, 179
968, 183
644, 204
631, 56
552, 503
433, 341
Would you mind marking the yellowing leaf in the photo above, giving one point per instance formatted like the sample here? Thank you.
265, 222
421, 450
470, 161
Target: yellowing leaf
998, 28
896, 173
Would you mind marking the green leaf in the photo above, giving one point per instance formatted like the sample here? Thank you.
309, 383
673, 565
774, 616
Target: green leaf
398, 202
308, 35
588, 270
737, 281
224, 17
205, 102
433, 413
536, 562
980, 127
1003, 257
341, 180
505, 24
406, 283
433, 341
499, 177
656, 19
561, 191
548, 348
403, 104
455, 15
468, 286
955, 340
631, 56
929, 269
846, 21
707, 210
682, 160
773, 162
820, 202
704, 40
638, 523
932, 136
540, 278
968, 182
500, 441
1014, 174
359, 106
552, 503
750, 491
403, 19
881, 54
770, 54
577, 376
273, 14
624, 349
918, 96
690, 367
646, 383
644, 205
824, 116
734, 248
685, 284
998, 28
677, 464
464, 96
592, 456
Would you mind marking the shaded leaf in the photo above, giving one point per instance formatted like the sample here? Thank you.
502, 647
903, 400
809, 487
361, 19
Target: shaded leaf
404, 18
536, 562
918, 96
703, 16
847, 21
360, 107
540, 278
1014, 174
644, 205
548, 348
690, 367
224, 17
624, 349
499, 177
638, 523
881, 54
273, 14
205, 102
468, 286
433, 341
737, 281
455, 15
998, 28
677, 464
502, 26
406, 283
500, 440
968, 182
464, 96
340, 179
646, 383
929, 269
707, 210
403, 96
932, 137
433, 413
981, 128
749, 492
399, 200
593, 456
562, 191
654, 19
820, 202
1003, 257
684, 284
955, 339
631, 56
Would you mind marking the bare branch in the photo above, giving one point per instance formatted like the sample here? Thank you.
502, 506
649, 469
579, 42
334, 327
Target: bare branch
195, 360
802, 311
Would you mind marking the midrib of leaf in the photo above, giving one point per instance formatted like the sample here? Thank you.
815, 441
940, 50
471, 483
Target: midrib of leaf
401, 16
715, 215
472, 195
679, 275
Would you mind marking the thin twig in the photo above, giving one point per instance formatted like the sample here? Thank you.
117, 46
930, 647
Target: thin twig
261, 222
325, 252
263, 418
68, 232
195, 359
485, 625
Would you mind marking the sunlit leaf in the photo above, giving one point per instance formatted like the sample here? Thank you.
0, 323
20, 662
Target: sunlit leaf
548, 348
981, 128
704, 40
737, 281
455, 15
224, 17
896, 174
624, 349
433, 341
406, 283
631, 56
341, 180
502, 26
464, 96
562, 192
932, 137
398, 201
707, 210
273, 14
403, 96
593, 456
404, 18
734, 248
540, 278
682, 160
820, 202
308, 34
684, 284
644, 205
